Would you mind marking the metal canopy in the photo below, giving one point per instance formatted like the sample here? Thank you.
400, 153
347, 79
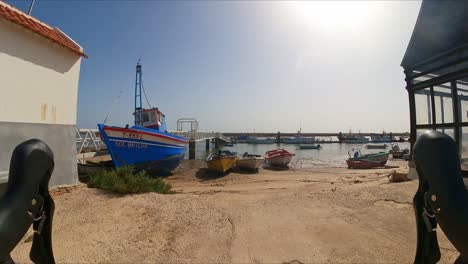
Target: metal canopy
436, 66
442, 26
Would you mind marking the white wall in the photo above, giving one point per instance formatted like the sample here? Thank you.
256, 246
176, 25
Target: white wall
38, 78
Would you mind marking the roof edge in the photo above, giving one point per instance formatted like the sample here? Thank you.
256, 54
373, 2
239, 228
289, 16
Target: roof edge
412, 36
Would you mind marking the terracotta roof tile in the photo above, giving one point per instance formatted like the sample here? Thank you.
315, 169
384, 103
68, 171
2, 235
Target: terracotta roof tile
53, 34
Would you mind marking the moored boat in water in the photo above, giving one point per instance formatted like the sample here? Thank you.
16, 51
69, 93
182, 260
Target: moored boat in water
221, 161
352, 138
310, 146
376, 146
381, 138
250, 162
278, 157
146, 145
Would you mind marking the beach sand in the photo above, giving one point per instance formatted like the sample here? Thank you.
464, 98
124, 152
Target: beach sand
308, 214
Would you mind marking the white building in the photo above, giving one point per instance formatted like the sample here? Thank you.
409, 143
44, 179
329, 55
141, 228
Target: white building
40, 68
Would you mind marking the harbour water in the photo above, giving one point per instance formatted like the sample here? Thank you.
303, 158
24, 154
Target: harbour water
333, 154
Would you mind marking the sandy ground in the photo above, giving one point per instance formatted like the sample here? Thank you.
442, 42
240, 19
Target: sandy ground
303, 215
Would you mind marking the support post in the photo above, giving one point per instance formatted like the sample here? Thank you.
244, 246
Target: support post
278, 138
191, 149
207, 146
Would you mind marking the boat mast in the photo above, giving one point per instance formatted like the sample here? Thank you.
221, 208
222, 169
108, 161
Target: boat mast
138, 101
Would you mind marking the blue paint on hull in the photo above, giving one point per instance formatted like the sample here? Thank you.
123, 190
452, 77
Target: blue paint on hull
149, 155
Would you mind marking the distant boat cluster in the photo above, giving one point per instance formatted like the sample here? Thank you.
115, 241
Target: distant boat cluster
285, 140
342, 138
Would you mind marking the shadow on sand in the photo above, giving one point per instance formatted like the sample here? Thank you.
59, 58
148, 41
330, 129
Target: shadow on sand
205, 174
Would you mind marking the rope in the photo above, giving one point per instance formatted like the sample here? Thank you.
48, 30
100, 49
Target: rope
144, 93
113, 103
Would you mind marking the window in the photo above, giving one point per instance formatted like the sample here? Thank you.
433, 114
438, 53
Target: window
423, 106
464, 148
443, 104
462, 91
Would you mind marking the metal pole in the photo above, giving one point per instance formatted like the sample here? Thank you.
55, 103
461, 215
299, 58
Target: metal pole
31, 7
191, 149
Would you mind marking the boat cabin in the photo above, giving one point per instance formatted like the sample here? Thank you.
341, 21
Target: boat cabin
150, 118
436, 69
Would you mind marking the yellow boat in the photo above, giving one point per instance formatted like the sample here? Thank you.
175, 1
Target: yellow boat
221, 162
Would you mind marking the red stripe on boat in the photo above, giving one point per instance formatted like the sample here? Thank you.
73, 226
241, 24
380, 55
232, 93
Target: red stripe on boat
142, 132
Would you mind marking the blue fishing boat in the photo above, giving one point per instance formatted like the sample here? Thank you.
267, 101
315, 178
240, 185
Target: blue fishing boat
147, 144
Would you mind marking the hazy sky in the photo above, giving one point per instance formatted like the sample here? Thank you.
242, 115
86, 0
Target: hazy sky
243, 66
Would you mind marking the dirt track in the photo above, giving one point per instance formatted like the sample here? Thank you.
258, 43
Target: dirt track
315, 215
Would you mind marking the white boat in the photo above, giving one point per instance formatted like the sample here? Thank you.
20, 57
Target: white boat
257, 140
250, 162
299, 140
381, 138
354, 139
279, 157
376, 146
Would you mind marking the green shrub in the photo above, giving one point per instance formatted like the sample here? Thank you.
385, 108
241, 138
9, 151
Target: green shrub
124, 180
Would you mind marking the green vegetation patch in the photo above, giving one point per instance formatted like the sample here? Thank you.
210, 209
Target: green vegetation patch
124, 180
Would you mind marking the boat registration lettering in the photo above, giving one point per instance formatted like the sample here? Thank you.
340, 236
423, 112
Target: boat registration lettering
120, 144
137, 145
132, 135
130, 144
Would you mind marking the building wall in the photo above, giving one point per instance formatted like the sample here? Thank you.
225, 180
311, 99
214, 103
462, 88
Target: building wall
38, 97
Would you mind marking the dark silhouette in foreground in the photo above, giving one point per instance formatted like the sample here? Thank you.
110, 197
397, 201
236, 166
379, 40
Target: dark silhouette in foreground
441, 197
27, 202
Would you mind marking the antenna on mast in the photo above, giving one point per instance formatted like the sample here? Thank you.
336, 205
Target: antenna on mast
31, 7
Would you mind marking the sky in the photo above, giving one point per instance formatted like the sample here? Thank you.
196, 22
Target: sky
242, 66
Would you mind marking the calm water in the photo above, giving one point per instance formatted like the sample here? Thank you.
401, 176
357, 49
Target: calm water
330, 154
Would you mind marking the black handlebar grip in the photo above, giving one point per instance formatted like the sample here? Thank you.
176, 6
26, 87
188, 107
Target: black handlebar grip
31, 166
437, 161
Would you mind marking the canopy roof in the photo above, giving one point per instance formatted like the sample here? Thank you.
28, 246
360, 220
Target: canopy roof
441, 26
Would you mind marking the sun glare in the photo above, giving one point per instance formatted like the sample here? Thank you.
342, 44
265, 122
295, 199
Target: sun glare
332, 15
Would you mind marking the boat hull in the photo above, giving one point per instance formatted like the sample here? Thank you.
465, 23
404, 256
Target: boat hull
364, 164
221, 165
278, 158
310, 147
249, 163
279, 161
376, 146
382, 156
143, 148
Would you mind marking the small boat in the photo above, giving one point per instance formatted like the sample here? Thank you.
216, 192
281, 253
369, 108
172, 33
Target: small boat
376, 146
363, 164
379, 156
146, 145
278, 157
228, 145
397, 153
258, 140
250, 162
352, 138
310, 146
221, 161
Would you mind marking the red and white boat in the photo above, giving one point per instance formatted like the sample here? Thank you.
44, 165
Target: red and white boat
278, 157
